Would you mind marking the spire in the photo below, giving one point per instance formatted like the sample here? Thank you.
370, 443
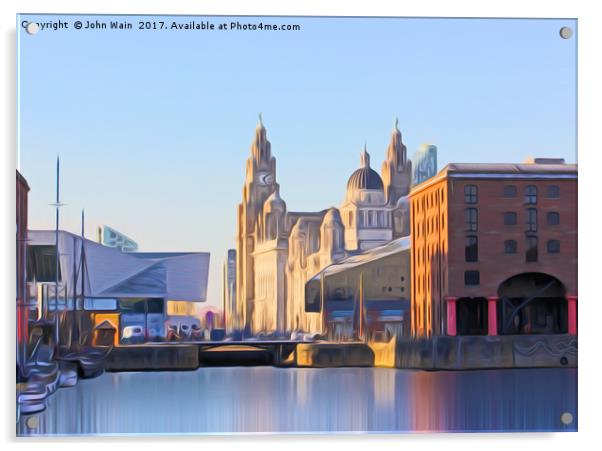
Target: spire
396, 135
365, 158
396, 169
261, 146
396, 151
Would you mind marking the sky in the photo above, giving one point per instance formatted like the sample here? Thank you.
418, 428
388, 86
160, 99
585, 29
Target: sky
153, 127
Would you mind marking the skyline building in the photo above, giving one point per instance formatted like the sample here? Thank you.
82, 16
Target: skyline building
425, 164
279, 250
231, 319
108, 236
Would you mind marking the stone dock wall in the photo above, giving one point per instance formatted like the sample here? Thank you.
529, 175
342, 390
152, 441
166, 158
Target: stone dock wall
438, 353
478, 352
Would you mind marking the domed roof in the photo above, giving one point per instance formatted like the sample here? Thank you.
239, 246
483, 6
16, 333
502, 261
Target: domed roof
365, 177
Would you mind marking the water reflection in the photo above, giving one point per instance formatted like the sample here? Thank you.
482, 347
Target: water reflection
266, 399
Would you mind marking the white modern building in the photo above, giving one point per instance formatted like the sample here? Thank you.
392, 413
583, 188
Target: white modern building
136, 286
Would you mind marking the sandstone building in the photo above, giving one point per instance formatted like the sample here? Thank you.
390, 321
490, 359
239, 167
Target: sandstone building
279, 250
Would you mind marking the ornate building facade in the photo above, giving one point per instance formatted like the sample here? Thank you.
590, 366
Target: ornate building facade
278, 250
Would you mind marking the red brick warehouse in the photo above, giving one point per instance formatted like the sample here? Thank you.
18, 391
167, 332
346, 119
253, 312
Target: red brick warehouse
494, 250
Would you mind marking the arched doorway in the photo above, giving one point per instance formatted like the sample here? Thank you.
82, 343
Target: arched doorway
532, 303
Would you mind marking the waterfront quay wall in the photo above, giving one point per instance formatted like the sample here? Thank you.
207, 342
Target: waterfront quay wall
153, 358
477, 352
435, 353
323, 355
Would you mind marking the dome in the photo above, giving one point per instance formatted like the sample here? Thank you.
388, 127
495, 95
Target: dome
365, 177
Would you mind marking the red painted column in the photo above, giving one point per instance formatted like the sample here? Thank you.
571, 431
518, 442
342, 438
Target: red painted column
572, 301
451, 316
492, 315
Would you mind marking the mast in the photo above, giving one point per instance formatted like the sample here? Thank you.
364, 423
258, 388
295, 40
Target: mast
224, 290
82, 256
57, 261
74, 297
83, 267
361, 321
323, 301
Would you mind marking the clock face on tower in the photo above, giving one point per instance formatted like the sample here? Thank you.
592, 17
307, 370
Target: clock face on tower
265, 178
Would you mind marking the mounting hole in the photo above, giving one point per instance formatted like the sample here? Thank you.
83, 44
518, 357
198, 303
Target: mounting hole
32, 28
32, 422
566, 32
564, 361
566, 418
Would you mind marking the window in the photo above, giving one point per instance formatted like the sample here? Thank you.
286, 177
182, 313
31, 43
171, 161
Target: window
470, 194
100, 304
471, 251
471, 278
532, 220
471, 218
531, 194
510, 247
510, 218
553, 246
509, 191
553, 218
531, 255
553, 192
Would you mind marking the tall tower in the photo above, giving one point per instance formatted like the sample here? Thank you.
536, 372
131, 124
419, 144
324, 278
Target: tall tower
231, 320
397, 169
425, 163
260, 183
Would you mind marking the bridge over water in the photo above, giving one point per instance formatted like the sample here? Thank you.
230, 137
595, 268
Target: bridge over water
192, 354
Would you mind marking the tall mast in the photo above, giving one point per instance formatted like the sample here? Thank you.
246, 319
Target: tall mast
323, 302
57, 261
83, 264
361, 325
74, 297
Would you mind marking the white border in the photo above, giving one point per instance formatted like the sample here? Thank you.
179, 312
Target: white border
590, 76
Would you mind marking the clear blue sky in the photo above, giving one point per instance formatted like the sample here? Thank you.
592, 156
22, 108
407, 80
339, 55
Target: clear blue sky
153, 127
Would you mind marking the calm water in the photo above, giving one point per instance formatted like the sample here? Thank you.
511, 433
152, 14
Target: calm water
267, 399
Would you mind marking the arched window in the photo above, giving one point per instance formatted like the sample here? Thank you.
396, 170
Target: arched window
531, 194
470, 194
471, 249
553, 218
471, 219
532, 220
